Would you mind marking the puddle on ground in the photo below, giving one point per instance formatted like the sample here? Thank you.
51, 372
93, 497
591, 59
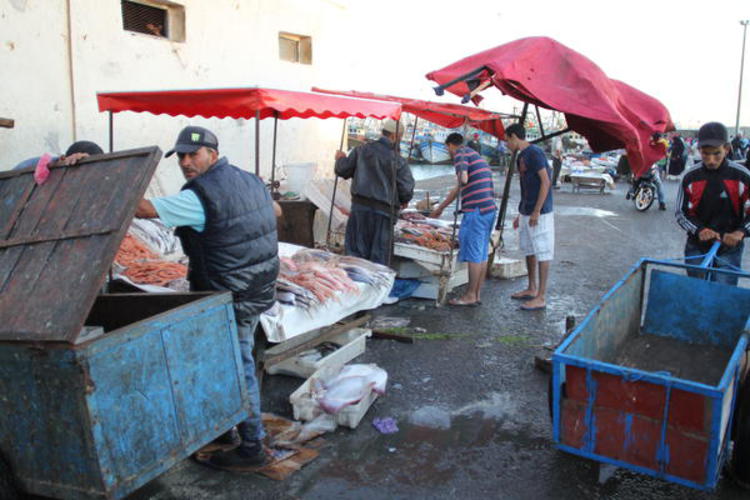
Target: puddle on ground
591, 212
433, 443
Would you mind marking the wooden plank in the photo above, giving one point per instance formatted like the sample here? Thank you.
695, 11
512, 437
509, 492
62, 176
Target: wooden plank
7, 123
48, 288
325, 334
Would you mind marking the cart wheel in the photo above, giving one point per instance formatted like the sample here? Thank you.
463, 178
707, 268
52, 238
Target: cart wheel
8, 488
740, 465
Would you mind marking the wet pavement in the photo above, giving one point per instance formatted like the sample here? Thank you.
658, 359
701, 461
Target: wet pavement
471, 408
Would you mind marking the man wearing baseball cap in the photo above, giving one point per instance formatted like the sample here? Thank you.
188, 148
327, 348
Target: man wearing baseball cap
226, 222
381, 182
711, 204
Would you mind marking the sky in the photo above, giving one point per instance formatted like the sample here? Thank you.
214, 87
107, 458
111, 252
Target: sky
685, 53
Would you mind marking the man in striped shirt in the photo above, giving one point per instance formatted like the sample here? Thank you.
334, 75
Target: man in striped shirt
478, 206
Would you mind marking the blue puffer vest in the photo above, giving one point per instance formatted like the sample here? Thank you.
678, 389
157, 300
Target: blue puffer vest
238, 250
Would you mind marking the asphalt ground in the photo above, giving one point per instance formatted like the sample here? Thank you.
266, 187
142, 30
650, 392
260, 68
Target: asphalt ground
471, 408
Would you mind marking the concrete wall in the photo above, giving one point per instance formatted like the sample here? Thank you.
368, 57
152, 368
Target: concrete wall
227, 43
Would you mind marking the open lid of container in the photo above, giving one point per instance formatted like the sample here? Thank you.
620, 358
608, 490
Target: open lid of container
58, 240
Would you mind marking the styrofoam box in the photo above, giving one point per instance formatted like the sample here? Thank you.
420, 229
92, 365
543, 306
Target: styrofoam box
352, 344
305, 408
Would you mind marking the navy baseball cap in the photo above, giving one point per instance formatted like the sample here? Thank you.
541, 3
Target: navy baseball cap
192, 138
712, 134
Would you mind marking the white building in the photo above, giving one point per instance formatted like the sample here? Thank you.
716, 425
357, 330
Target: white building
56, 55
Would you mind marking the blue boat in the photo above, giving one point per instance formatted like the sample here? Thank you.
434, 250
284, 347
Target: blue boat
434, 152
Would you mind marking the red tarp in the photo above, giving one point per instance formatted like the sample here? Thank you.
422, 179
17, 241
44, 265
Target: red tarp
245, 103
447, 115
541, 71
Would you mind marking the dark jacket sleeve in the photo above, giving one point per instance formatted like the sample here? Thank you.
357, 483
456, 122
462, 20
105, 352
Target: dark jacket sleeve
690, 224
404, 182
345, 167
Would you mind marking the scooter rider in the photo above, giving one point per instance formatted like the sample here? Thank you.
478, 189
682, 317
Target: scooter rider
654, 172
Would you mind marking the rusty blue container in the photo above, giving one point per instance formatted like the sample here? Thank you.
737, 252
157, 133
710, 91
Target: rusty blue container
100, 393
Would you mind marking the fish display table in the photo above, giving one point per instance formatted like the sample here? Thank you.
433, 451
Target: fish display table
283, 321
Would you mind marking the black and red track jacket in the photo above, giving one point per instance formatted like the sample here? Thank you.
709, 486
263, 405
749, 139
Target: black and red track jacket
716, 199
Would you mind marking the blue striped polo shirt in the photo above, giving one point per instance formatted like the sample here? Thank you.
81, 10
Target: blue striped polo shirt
478, 193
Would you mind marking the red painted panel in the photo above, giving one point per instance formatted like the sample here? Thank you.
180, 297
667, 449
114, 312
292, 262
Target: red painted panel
641, 398
688, 455
575, 383
690, 412
573, 423
610, 433
643, 442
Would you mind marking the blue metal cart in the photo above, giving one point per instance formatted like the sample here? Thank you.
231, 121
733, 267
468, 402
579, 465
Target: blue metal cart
100, 393
648, 380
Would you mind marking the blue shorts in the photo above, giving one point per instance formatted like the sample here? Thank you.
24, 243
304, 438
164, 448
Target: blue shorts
474, 236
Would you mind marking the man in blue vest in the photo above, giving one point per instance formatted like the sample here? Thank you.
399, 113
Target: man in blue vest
227, 226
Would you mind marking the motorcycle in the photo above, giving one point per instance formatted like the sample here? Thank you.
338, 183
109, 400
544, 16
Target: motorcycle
643, 191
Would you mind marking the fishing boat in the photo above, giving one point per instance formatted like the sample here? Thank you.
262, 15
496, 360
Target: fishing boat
434, 152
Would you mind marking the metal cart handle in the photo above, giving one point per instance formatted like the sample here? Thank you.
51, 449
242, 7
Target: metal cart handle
711, 254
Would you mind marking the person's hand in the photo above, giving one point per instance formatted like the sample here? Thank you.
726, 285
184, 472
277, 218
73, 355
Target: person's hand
340, 154
534, 219
707, 234
733, 239
72, 159
516, 222
435, 214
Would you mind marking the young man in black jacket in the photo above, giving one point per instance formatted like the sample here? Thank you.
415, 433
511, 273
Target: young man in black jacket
711, 204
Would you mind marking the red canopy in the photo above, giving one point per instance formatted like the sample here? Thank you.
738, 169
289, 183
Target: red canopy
245, 103
448, 115
541, 71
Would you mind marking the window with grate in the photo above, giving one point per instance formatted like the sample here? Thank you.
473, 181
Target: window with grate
295, 48
146, 19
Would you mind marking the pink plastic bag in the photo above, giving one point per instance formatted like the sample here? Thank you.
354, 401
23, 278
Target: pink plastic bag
41, 173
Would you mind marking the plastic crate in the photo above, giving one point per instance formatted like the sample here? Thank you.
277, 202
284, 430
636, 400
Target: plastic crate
305, 408
352, 345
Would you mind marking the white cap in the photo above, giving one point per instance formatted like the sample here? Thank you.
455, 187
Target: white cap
390, 124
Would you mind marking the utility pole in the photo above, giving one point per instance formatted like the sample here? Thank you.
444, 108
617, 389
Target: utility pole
742, 69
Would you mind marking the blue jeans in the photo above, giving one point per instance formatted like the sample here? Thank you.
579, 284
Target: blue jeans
252, 428
659, 188
730, 259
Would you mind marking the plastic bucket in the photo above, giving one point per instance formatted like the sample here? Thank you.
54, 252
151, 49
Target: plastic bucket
298, 175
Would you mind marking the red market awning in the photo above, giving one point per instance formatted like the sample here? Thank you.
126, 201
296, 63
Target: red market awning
251, 102
447, 115
541, 71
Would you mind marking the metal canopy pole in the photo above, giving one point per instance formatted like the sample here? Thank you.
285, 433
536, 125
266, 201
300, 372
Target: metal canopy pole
111, 131
257, 143
508, 177
539, 120
335, 185
273, 155
413, 135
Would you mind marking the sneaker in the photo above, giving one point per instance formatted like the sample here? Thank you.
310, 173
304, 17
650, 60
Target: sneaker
628, 196
390, 300
246, 457
662, 206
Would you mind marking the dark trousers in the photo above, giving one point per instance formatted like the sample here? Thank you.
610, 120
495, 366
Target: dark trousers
556, 166
369, 234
